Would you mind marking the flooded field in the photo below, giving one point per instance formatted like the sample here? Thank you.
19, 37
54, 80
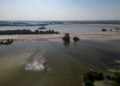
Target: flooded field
37, 63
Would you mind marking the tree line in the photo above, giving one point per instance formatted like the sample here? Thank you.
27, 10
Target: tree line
25, 31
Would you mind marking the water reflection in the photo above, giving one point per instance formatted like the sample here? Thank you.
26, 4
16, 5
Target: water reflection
66, 43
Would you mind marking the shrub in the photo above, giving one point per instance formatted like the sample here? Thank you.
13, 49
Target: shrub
90, 77
66, 38
104, 30
75, 39
89, 83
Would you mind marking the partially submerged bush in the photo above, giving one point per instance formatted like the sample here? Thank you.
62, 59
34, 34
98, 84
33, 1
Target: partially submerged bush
91, 77
66, 38
103, 30
115, 78
75, 39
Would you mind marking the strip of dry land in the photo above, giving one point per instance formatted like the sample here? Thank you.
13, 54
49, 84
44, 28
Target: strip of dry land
58, 37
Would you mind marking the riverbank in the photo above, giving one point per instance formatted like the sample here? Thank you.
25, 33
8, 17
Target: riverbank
57, 37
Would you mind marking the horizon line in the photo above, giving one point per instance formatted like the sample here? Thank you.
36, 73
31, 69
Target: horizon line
62, 20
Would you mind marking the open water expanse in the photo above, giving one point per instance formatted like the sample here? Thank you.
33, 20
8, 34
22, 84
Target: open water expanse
68, 28
35, 63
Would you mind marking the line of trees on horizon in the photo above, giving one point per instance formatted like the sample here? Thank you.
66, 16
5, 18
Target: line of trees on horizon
25, 31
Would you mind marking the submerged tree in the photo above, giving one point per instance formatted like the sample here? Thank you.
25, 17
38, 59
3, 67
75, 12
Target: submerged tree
117, 29
76, 39
66, 38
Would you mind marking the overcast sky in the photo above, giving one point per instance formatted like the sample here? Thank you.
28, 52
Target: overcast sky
59, 9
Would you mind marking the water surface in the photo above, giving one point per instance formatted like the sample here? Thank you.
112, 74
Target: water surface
67, 28
55, 64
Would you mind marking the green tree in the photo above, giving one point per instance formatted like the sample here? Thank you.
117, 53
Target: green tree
75, 39
66, 38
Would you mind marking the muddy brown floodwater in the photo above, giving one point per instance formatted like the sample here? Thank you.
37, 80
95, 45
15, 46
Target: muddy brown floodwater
37, 63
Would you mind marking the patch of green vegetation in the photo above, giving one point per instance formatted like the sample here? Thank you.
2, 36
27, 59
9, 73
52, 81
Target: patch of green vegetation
91, 77
103, 30
25, 31
75, 39
66, 38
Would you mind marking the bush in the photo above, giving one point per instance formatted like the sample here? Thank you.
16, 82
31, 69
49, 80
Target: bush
89, 83
66, 38
103, 30
75, 39
90, 77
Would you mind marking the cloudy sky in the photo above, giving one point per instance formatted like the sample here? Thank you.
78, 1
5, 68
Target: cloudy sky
59, 9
